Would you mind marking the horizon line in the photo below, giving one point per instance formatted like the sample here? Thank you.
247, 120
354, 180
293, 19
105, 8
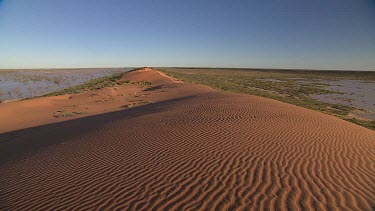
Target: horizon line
191, 67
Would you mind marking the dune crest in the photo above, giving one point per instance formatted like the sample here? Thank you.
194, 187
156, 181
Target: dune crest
193, 148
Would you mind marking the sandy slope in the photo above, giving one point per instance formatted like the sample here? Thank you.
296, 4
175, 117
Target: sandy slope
40, 111
194, 148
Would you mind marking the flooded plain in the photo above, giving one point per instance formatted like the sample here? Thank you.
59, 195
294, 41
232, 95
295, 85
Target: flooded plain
18, 84
355, 93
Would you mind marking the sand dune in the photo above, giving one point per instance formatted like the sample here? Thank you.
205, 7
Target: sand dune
40, 111
193, 148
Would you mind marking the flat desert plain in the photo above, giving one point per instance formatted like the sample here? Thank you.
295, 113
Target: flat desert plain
188, 147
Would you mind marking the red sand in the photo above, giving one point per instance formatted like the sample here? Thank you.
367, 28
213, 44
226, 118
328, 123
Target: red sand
192, 148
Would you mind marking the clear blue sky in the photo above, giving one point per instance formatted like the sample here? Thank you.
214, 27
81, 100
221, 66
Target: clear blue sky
317, 34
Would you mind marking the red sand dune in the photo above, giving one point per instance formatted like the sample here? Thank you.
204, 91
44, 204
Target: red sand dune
193, 148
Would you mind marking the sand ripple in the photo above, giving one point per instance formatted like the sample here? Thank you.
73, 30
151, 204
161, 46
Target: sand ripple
213, 151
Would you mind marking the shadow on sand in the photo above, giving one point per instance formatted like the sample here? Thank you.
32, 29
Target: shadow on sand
17, 143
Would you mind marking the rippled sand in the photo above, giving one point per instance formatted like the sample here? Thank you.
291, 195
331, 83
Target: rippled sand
195, 148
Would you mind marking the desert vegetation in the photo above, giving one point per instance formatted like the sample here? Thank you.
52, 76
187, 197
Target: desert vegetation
93, 84
98, 83
62, 114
